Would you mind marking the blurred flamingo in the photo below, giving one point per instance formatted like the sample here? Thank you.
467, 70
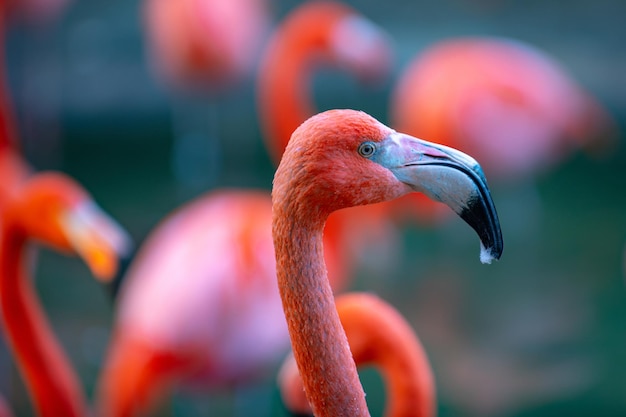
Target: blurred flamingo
49, 208
508, 103
212, 258
505, 102
317, 34
197, 49
12, 168
379, 336
338, 159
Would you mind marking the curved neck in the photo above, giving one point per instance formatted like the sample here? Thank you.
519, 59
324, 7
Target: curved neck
379, 336
51, 382
318, 341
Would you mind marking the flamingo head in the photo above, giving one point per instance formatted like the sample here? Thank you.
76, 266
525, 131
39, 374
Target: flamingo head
334, 32
343, 158
55, 210
361, 47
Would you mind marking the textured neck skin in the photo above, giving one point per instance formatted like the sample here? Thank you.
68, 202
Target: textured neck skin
319, 343
53, 386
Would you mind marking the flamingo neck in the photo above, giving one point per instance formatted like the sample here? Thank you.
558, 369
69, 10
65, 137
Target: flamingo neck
50, 380
379, 336
409, 382
319, 343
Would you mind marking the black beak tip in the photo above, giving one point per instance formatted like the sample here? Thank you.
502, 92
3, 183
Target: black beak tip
481, 215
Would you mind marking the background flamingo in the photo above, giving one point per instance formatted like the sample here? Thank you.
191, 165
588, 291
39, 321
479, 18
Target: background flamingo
213, 259
210, 267
378, 336
13, 169
340, 159
313, 36
504, 101
198, 49
52, 209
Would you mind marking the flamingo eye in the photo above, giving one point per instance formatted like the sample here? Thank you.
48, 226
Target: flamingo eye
367, 149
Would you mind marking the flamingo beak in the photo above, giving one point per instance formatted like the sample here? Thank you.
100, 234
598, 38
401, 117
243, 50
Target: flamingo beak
449, 176
97, 238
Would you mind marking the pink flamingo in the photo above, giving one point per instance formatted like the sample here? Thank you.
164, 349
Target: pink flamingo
379, 336
212, 258
197, 49
52, 209
511, 106
317, 34
506, 102
203, 44
339, 159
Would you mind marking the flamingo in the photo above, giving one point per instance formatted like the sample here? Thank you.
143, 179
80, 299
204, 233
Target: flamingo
203, 44
212, 258
13, 168
339, 159
506, 102
510, 105
198, 49
380, 336
52, 209
317, 34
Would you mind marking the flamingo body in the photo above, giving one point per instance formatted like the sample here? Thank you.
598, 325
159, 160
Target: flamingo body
507, 103
203, 43
210, 269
